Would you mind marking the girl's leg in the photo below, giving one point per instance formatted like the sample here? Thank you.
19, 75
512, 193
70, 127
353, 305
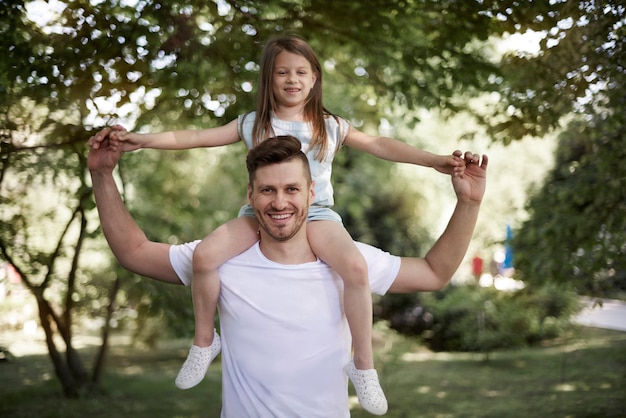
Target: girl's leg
333, 245
226, 242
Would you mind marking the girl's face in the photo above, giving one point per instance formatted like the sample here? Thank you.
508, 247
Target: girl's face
292, 79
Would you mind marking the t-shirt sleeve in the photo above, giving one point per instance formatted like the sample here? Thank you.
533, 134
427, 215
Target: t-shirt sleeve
245, 124
181, 259
382, 267
344, 128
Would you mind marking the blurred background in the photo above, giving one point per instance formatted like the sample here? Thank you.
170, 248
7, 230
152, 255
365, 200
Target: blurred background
538, 86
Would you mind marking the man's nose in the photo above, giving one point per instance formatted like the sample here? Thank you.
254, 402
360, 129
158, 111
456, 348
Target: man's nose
279, 200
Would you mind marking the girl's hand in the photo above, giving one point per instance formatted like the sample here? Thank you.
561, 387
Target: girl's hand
115, 136
96, 141
453, 165
129, 141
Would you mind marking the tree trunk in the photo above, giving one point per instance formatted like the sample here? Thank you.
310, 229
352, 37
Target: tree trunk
71, 373
101, 356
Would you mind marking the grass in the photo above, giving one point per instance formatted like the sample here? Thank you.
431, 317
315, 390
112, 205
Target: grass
581, 375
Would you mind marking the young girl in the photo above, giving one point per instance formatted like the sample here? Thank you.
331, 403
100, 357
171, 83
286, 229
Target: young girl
290, 103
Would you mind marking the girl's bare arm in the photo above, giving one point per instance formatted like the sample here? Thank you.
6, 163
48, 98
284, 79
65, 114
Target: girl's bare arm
393, 150
170, 140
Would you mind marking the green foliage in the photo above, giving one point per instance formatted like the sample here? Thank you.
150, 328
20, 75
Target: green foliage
184, 63
576, 233
576, 230
375, 210
177, 197
162, 65
578, 62
474, 319
181, 196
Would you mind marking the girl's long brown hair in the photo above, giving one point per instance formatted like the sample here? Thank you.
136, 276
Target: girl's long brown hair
314, 111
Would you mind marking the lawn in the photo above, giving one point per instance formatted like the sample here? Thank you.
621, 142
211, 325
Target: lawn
581, 375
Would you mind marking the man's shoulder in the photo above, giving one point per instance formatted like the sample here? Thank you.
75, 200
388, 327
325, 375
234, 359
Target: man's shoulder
378, 261
251, 254
369, 249
382, 267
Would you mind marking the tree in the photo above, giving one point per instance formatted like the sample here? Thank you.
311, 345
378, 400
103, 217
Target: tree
30, 213
576, 60
575, 233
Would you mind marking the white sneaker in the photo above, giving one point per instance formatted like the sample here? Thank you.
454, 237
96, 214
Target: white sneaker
195, 367
368, 390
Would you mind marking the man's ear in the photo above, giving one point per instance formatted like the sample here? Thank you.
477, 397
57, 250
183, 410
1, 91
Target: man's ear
249, 194
312, 193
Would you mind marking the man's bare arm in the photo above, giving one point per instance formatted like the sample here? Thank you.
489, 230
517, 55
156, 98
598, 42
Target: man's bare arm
127, 241
435, 270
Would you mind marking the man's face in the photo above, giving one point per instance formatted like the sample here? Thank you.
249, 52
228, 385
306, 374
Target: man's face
280, 197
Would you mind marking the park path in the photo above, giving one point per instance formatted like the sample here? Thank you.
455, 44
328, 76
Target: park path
611, 315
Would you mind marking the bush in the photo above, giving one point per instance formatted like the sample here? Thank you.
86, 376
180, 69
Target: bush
475, 319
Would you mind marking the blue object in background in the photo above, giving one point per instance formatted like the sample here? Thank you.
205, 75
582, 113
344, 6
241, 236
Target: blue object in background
508, 250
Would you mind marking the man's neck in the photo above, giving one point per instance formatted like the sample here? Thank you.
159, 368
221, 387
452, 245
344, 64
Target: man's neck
293, 251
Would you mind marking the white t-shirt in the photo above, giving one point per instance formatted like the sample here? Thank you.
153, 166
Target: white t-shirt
321, 171
285, 338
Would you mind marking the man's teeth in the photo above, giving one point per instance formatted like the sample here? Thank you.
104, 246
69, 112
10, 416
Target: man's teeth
284, 216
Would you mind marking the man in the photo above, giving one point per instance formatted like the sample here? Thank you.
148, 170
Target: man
284, 336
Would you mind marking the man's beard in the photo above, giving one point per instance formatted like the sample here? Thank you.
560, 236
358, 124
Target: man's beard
282, 234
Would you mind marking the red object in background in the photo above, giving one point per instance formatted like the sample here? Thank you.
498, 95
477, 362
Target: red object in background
477, 266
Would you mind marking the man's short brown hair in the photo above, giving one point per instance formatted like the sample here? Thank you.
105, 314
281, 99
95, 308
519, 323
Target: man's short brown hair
278, 149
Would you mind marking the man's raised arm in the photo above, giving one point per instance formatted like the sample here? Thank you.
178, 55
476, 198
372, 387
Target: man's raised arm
127, 241
435, 270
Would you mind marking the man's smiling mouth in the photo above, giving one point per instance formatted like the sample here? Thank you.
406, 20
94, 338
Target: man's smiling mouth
281, 216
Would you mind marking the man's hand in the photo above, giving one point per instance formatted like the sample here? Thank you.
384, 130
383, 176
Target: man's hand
118, 137
470, 186
106, 133
104, 154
